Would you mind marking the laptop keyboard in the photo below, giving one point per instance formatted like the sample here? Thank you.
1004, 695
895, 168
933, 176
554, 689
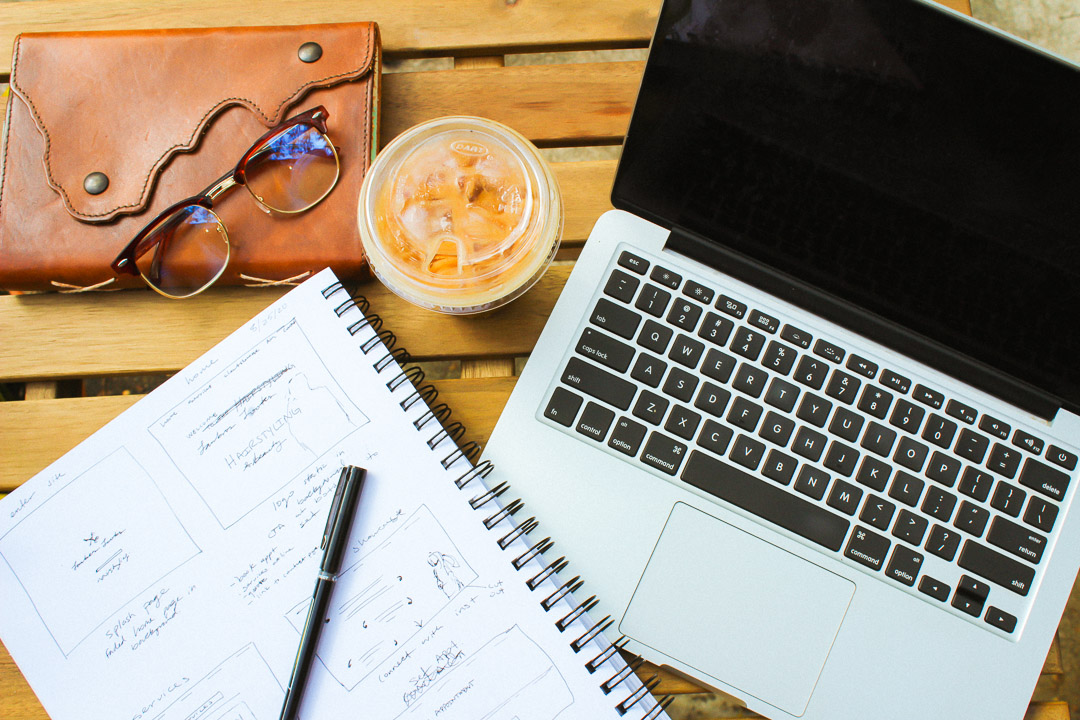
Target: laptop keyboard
932, 495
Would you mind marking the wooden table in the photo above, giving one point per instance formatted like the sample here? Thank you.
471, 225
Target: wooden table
443, 58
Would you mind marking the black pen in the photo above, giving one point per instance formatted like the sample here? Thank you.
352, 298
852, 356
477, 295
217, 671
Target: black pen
334, 540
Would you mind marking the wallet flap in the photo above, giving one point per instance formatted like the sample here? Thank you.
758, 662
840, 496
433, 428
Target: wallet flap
124, 103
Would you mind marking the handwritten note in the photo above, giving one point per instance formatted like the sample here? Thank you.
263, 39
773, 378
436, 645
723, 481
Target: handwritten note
163, 569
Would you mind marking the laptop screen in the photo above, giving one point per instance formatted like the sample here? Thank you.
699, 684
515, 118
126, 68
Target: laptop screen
883, 151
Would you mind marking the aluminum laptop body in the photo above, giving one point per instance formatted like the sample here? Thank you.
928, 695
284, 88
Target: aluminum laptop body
805, 416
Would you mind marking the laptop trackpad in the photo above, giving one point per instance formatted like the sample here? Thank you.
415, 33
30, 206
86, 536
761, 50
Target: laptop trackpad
738, 608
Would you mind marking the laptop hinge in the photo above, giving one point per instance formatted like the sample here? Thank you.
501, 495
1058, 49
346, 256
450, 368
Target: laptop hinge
912, 344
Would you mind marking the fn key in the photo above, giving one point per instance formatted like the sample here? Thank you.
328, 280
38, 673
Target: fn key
563, 406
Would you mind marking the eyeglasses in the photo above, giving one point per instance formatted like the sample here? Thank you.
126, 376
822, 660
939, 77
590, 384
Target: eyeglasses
185, 249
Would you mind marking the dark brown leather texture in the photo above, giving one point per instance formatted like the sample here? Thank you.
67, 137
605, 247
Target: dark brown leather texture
164, 113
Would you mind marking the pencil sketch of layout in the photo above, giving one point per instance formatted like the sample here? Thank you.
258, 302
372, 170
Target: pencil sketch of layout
259, 422
387, 596
111, 534
509, 678
242, 687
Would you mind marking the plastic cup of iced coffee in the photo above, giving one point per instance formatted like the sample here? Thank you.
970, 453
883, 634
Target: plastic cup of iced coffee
460, 215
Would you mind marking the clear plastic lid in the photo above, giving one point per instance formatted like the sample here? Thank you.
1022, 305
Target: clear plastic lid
460, 215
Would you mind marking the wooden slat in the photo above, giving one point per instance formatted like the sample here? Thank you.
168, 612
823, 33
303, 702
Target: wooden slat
446, 27
34, 433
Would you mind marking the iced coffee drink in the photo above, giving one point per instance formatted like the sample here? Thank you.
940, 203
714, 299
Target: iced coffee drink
460, 215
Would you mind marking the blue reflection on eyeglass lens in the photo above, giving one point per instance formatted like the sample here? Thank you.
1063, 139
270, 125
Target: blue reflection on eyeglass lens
296, 142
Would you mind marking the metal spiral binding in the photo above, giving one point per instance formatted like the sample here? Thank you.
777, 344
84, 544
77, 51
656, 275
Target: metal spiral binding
413, 376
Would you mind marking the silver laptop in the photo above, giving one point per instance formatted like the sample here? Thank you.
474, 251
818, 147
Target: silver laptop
806, 416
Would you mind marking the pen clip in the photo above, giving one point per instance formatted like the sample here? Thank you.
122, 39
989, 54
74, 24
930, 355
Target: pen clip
335, 507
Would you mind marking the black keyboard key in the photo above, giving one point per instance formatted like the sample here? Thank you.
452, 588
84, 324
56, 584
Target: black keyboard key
904, 565
654, 336
934, 588
598, 383
995, 567
605, 350
747, 343
650, 407
911, 454
907, 416
653, 300
713, 399
814, 410
862, 366
943, 469
970, 596
779, 466
715, 437
763, 322
867, 547
684, 314
782, 395
718, 365
680, 384
682, 422
663, 453
910, 527
976, 484
778, 357
1044, 479
796, 336
874, 473
844, 497
971, 518
877, 512
841, 458
972, 446
744, 414
1016, 539
943, 542
627, 436
648, 370
811, 372
1027, 442
595, 421
716, 329
843, 387
1003, 460
750, 380
1009, 499
812, 482
697, 291
686, 351
666, 277
777, 429
896, 382
765, 500
906, 488
829, 351
1000, 619
810, 444
928, 397
621, 286
633, 263
879, 439
1064, 458
939, 431
1040, 514
875, 401
939, 504
563, 406
995, 427
846, 424
747, 452
730, 306
615, 318
961, 412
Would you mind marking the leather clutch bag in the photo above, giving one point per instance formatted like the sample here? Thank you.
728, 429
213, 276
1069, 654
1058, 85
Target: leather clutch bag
104, 130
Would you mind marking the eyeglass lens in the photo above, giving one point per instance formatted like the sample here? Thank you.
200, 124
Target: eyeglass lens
294, 171
191, 251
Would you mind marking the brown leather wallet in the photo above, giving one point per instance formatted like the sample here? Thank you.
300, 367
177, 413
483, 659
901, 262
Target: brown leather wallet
162, 114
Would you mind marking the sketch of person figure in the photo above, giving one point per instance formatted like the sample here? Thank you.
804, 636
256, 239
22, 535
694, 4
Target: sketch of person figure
319, 402
442, 568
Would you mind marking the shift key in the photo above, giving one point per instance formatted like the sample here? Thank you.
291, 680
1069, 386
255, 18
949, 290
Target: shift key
598, 383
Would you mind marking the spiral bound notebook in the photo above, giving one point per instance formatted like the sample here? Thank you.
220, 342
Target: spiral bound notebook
163, 568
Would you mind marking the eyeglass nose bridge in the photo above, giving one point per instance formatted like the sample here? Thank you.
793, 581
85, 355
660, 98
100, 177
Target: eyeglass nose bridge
217, 189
